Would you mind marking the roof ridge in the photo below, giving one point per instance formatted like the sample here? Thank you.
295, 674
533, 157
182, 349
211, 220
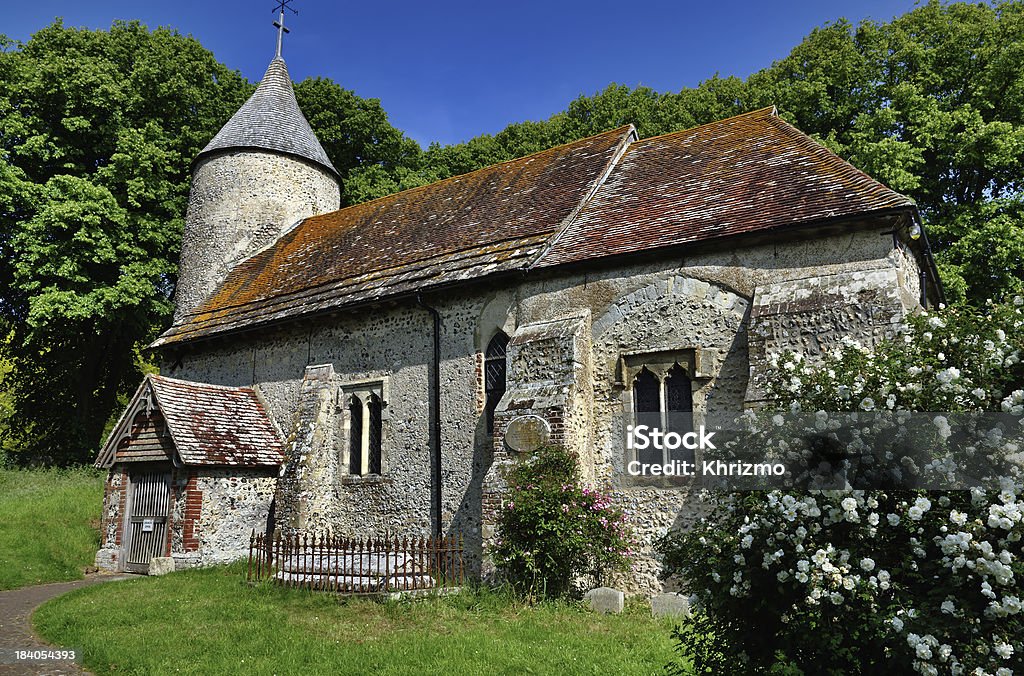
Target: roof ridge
628, 139
750, 113
234, 388
449, 179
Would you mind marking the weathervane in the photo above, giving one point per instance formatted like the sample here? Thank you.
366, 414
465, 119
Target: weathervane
279, 24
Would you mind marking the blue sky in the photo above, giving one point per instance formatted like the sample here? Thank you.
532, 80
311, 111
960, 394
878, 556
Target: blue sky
448, 71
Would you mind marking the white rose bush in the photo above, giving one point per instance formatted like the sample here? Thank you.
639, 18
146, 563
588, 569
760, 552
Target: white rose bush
880, 579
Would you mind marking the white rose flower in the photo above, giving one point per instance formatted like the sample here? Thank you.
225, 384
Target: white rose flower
867, 564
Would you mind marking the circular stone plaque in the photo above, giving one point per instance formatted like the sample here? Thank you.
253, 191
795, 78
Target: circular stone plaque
527, 433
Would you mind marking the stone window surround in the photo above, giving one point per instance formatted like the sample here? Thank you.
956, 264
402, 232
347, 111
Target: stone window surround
696, 362
494, 353
363, 389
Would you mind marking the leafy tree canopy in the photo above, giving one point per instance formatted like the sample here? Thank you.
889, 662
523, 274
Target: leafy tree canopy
97, 129
373, 158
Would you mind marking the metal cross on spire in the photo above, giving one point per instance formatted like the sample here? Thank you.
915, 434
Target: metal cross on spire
279, 24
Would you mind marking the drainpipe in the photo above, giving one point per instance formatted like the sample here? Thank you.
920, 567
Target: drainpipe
435, 411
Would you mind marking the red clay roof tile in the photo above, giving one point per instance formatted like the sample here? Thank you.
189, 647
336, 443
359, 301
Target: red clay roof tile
746, 173
209, 424
493, 219
598, 197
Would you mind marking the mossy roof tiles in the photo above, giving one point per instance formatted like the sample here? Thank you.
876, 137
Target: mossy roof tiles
607, 195
494, 219
209, 424
748, 173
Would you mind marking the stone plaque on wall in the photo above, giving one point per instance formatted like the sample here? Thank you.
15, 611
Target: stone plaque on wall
527, 433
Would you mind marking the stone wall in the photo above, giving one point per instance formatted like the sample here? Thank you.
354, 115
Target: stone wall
115, 496
232, 504
392, 346
571, 333
212, 512
240, 202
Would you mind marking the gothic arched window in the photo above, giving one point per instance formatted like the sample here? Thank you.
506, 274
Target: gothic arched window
646, 395
495, 371
662, 399
679, 400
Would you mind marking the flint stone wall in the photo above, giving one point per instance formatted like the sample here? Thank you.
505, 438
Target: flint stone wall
705, 300
234, 503
240, 202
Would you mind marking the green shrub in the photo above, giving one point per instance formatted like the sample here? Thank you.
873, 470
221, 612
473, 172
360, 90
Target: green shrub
553, 530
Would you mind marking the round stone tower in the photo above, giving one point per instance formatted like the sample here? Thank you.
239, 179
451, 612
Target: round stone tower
260, 175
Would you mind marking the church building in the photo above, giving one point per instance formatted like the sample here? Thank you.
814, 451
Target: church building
374, 369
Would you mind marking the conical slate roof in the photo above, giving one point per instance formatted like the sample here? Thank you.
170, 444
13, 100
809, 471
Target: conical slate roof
271, 120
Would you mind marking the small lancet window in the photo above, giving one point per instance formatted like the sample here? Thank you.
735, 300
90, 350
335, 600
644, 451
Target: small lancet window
355, 436
495, 371
679, 408
647, 407
679, 400
374, 438
645, 392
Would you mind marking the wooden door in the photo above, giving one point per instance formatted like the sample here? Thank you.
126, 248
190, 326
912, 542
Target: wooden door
146, 534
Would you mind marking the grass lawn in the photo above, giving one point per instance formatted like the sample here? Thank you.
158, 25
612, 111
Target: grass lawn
49, 524
209, 622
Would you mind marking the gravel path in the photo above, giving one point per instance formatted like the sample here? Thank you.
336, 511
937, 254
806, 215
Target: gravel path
16, 632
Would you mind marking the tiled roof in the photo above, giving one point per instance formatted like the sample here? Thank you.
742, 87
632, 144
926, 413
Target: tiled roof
271, 120
491, 220
743, 174
603, 196
209, 424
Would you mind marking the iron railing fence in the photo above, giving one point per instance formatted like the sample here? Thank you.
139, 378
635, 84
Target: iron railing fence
343, 565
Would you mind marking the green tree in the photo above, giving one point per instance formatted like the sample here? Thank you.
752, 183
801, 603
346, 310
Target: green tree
373, 158
97, 129
932, 104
